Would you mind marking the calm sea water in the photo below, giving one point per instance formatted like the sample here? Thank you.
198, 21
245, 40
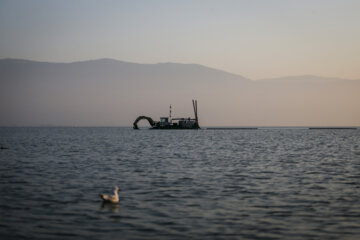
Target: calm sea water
205, 184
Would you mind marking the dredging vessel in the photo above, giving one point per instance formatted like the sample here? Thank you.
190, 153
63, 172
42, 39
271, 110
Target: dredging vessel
172, 123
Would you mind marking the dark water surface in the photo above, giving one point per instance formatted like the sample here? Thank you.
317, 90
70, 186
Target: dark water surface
206, 184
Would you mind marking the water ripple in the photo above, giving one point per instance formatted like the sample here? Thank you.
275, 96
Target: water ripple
264, 184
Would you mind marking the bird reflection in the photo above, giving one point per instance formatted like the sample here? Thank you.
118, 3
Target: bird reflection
112, 207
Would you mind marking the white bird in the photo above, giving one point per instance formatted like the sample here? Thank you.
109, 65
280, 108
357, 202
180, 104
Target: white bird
111, 198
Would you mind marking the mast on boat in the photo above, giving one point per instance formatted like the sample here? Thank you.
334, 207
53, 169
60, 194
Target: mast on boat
196, 113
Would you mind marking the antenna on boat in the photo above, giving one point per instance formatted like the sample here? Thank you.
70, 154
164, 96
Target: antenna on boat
170, 112
195, 111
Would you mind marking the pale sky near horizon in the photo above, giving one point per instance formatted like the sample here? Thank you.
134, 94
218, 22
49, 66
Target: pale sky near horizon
256, 39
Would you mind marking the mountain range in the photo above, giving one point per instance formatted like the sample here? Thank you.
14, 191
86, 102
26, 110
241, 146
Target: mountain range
109, 92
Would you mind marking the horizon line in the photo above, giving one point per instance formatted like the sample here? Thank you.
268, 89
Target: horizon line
203, 127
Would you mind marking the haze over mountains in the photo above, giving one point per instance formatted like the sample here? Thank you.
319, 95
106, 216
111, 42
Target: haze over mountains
108, 92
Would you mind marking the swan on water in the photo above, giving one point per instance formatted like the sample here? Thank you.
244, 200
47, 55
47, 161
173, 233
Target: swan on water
111, 198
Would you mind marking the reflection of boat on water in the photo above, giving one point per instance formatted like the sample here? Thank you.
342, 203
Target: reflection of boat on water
172, 123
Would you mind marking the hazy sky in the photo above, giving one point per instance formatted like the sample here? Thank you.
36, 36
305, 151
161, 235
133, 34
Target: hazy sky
256, 39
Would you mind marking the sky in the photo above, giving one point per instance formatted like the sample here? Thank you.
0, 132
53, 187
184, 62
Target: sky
256, 39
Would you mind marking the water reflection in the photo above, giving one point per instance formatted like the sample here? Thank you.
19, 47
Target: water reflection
112, 207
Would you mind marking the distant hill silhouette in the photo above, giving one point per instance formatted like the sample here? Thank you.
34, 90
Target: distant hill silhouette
108, 92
